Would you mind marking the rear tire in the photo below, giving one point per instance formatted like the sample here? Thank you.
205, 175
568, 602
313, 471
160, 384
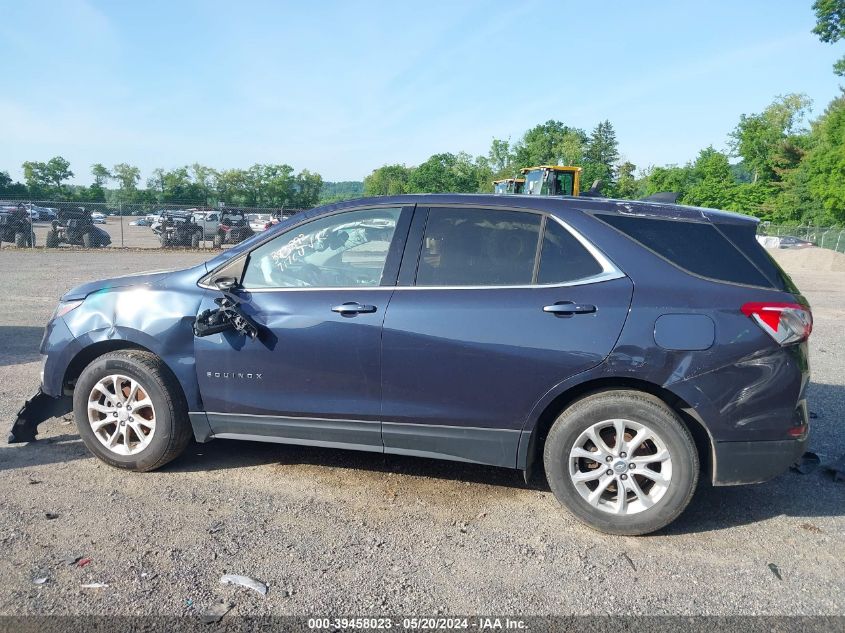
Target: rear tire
586, 467
158, 429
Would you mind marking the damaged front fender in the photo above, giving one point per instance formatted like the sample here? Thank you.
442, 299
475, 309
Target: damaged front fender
36, 410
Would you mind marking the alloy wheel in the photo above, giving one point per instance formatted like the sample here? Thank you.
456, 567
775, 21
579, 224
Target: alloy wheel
620, 466
121, 414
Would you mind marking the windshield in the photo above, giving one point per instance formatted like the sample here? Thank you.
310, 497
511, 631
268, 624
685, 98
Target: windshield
533, 182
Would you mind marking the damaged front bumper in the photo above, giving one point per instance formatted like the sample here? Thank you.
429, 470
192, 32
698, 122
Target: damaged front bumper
36, 410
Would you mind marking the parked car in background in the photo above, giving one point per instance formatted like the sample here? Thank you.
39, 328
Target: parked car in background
789, 241
628, 349
260, 221
16, 226
41, 214
141, 222
210, 221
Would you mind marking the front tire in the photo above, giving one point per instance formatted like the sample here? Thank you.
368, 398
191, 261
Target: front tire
130, 411
622, 462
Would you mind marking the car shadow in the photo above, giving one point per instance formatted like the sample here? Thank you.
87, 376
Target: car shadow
19, 344
56, 449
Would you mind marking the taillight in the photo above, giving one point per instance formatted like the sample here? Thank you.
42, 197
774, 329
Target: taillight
786, 323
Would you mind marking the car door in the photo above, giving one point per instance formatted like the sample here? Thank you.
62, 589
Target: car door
318, 293
493, 309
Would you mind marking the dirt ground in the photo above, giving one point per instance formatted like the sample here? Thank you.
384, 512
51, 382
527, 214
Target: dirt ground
340, 533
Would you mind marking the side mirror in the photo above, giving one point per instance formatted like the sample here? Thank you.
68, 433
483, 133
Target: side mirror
226, 284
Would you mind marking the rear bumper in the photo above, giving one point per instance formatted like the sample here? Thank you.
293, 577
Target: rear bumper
754, 462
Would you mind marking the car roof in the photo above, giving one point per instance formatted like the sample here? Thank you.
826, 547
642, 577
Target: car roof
560, 206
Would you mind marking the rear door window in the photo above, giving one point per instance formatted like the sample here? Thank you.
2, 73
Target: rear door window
563, 258
478, 247
694, 246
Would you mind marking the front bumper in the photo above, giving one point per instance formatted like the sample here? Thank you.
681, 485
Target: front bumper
36, 410
754, 462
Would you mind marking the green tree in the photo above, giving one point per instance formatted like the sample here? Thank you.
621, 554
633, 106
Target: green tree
627, 185
8, 188
830, 26
127, 177
101, 174
824, 165
46, 179
388, 180
767, 142
443, 173
501, 159
549, 143
601, 154
307, 189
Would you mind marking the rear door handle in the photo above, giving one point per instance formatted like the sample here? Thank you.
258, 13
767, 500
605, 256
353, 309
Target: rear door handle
352, 308
568, 308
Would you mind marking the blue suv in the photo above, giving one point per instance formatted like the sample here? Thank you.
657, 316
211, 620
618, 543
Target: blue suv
625, 348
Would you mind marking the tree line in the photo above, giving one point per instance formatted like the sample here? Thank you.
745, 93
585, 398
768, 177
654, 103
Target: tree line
258, 186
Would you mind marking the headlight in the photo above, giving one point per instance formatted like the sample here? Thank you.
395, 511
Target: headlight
66, 306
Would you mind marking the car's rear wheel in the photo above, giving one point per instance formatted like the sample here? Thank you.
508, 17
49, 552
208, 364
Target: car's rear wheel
621, 462
130, 411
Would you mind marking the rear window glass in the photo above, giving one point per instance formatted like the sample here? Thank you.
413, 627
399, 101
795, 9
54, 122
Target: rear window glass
693, 246
744, 237
563, 257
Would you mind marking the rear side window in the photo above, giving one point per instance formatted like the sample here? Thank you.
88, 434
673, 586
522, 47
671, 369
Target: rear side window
478, 247
744, 237
563, 257
696, 247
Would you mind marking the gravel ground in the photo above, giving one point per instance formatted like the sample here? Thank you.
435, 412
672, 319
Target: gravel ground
334, 532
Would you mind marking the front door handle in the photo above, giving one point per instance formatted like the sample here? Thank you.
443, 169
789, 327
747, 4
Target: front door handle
352, 308
567, 308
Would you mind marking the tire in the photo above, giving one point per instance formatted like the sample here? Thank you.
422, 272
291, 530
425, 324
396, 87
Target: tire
195, 240
52, 240
218, 241
20, 240
648, 504
87, 240
138, 446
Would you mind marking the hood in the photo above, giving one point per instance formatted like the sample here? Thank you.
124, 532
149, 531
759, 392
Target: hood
150, 279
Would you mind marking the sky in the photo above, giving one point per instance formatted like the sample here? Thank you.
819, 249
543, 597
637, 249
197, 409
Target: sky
344, 87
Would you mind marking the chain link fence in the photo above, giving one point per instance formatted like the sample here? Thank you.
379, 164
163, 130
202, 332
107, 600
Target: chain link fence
53, 224
830, 237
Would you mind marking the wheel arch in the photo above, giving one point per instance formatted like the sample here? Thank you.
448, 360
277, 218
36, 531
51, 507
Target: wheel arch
529, 459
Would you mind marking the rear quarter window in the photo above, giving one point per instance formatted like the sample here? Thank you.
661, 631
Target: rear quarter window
694, 246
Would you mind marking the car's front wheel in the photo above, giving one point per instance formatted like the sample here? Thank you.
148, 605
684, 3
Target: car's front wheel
621, 462
130, 411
